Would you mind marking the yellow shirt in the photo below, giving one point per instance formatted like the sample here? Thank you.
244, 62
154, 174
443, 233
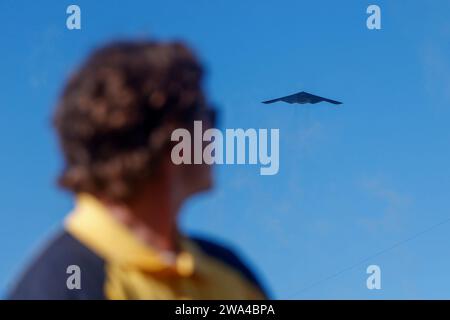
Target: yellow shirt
133, 270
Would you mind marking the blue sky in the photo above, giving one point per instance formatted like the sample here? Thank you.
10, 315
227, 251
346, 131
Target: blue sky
353, 181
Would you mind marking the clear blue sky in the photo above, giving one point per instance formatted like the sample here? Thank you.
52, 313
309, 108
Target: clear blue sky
353, 181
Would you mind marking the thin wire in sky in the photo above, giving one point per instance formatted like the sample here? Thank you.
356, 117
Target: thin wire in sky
379, 253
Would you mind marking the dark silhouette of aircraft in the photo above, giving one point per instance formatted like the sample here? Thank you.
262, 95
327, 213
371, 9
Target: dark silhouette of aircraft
302, 98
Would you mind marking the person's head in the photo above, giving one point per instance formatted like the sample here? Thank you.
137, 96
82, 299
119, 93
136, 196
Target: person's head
116, 115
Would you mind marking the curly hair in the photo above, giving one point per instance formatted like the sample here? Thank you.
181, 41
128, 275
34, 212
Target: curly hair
116, 114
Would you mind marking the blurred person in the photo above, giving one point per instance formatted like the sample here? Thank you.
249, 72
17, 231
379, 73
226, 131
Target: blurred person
114, 122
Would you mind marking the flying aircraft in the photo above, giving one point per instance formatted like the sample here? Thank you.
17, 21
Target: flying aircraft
302, 98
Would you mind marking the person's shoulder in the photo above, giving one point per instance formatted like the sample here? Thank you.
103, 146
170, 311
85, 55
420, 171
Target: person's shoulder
231, 257
48, 274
